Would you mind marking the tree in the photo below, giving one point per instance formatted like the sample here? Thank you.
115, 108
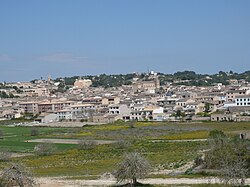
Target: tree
207, 107
133, 167
17, 175
229, 157
179, 114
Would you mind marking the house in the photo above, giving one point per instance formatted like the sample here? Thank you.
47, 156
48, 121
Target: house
92, 100
110, 100
243, 100
158, 114
152, 113
65, 114
82, 110
119, 109
181, 103
136, 115
220, 98
222, 116
53, 105
105, 118
47, 118
12, 115
231, 94
167, 102
35, 92
150, 85
29, 107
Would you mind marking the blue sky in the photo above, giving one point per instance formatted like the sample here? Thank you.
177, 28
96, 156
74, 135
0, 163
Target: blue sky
83, 37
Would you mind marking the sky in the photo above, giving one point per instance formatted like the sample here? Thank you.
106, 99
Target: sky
89, 37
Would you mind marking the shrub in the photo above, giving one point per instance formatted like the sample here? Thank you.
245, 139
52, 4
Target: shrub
86, 144
34, 131
5, 155
122, 144
131, 124
1, 134
45, 149
198, 161
84, 120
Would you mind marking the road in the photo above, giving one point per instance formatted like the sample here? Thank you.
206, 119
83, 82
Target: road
60, 182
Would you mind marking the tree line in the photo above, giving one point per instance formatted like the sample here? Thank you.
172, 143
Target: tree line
189, 78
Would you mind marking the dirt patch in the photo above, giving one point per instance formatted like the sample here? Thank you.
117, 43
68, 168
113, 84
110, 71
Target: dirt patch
60, 182
16, 155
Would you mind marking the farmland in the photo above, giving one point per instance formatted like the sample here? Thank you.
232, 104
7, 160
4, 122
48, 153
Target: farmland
148, 138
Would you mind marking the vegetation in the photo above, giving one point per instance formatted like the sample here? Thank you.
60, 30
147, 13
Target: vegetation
34, 131
230, 157
1, 134
4, 155
189, 78
133, 167
86, 144
45, 149
151, 139
16, 175
5, 95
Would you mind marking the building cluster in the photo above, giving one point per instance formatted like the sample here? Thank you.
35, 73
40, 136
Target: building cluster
144, 100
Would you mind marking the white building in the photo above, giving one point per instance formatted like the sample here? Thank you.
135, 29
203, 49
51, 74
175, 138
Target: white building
243, 100
122, 109
64, 114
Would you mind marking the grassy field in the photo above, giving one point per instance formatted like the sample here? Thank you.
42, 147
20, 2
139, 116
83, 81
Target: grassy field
69, 161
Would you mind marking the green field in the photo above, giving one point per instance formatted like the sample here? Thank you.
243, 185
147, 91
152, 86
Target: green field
69, 161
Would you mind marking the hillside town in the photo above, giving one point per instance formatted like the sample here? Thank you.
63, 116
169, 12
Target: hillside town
143, 100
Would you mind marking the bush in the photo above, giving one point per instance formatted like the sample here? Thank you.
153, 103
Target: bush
5, 155
1, 134
84, 120
86, 144
34, 131
45, 149
189, 171
215, 134
131, 124
198, 161
122, 144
